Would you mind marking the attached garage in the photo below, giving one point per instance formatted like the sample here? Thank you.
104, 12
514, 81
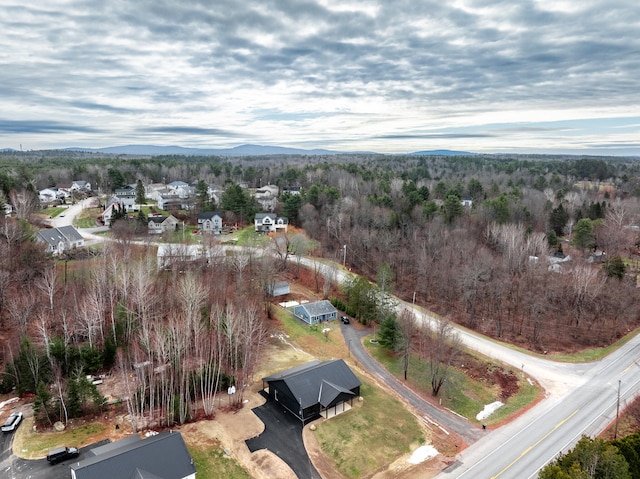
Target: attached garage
314, 389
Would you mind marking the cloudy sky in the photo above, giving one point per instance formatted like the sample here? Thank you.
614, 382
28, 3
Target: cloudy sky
390, 76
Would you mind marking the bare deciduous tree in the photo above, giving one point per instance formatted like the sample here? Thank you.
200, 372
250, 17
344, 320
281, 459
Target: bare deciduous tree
445, 345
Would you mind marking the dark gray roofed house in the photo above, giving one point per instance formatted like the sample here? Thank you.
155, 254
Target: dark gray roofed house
314, 389
314, 313
210, 222
59, 240
163, 456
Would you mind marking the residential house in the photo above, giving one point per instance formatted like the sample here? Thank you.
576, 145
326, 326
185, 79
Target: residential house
294, 190
158, 224
126, 197
108, 213
59, 240
50, 195
80, 186
270, 222
184, 190
314, 389
170, 202
267, 197
210, 222
162, 456
467, 201
314, 313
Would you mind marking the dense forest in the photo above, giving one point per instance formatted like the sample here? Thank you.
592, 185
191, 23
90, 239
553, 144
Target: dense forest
543, 253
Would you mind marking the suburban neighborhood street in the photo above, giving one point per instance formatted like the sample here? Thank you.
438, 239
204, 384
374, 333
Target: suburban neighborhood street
579, 399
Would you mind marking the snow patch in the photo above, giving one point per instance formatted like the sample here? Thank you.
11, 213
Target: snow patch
423, 453
8, 401
488, 410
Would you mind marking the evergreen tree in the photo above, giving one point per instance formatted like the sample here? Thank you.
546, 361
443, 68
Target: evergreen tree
558, 219
141, 198
452, 208
388, 334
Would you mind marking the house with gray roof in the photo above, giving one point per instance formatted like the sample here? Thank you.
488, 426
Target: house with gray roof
270, 223
163, 456
210, 222
314, 389
59, 240
314, 313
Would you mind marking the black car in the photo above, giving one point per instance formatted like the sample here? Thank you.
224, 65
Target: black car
62, 453
344, 320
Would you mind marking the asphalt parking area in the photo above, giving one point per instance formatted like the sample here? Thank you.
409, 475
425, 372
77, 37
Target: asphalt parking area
282, 435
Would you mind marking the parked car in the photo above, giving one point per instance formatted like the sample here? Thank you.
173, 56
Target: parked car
344, 319
60, 454
12, 422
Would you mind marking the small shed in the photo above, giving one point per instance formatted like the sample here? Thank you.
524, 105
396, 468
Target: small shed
314, 389
314, 313
279, 288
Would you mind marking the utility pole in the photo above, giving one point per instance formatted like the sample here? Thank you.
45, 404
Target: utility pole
344, 257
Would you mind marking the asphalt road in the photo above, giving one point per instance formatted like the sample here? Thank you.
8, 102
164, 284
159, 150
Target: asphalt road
450, 422
282, 435
13, 467
580, 399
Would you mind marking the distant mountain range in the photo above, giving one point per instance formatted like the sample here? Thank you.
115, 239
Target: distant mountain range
243, 150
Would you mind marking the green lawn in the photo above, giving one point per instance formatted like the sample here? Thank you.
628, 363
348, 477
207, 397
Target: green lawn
460, 393
371, 436
212, 463
363, 440
33, 445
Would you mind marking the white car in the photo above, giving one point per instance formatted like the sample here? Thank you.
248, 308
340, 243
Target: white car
12, 422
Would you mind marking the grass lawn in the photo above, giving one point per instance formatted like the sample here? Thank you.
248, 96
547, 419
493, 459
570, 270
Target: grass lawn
371, 436
34, 445
460, 393
248, 237
87, 218
54, 211
363, 440
212, 463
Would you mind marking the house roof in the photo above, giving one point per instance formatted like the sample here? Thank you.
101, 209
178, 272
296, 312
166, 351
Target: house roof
54, 236
206, 215
317, 382
319, 308
262, 216
162, 456
70, 233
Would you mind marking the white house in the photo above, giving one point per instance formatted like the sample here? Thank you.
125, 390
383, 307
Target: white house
210, 222
48, 195
80, 186
270, 223
126, 197
267, 197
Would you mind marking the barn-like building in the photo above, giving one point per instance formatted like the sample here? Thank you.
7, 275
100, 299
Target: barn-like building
314, 389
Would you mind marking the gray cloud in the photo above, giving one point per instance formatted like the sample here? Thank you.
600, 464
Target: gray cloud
201, 62
11, 126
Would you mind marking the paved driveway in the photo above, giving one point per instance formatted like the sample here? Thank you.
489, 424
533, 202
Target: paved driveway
12, 467
282, 435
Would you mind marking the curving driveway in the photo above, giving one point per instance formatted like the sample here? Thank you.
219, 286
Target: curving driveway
282, 435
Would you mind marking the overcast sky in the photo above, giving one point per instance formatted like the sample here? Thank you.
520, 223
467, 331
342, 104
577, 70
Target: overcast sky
391, 76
